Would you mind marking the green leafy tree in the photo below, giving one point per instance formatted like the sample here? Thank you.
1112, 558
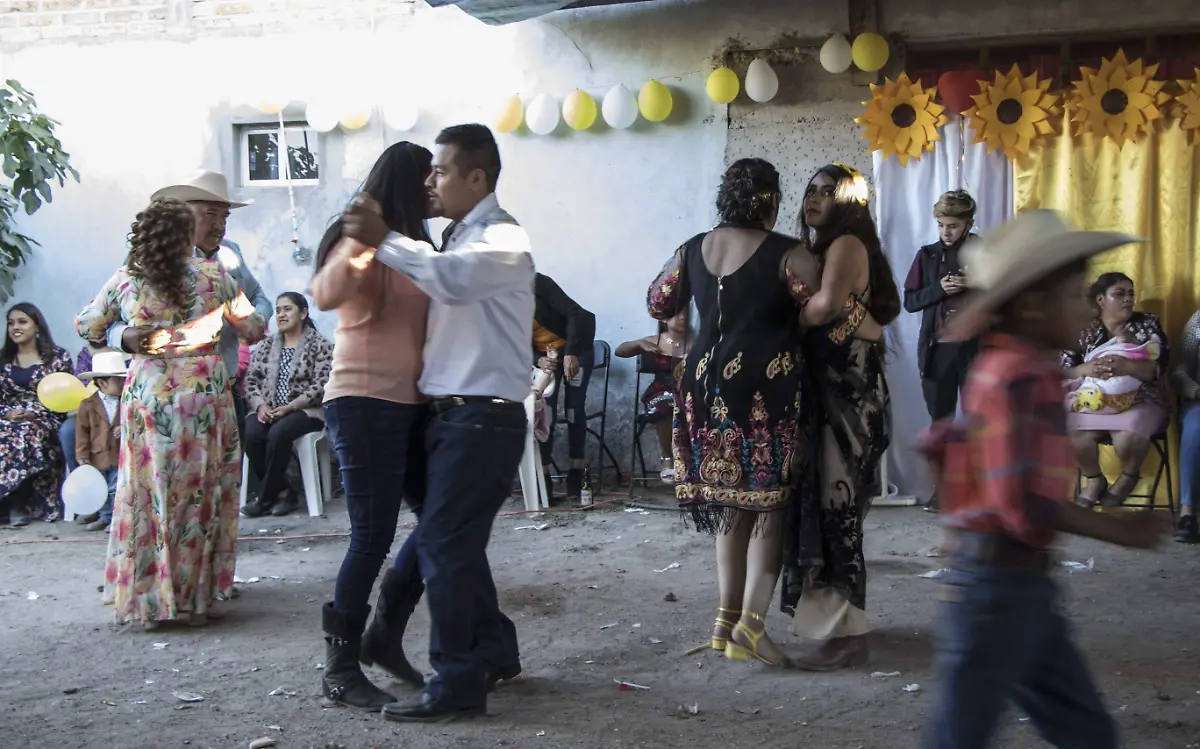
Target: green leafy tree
33, 156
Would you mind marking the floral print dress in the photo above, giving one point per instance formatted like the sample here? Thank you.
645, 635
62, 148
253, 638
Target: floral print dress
735, 424
29, 450
173, 540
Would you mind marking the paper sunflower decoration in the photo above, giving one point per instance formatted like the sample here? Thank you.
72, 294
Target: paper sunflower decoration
1189, 107
1013, 113
1120, 101
902, 118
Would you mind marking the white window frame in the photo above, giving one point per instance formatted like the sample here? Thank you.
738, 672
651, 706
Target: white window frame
258, 128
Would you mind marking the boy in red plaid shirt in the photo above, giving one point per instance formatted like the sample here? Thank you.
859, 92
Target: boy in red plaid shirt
1005, 476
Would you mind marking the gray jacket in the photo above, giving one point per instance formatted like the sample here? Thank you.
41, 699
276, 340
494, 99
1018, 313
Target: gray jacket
230, 257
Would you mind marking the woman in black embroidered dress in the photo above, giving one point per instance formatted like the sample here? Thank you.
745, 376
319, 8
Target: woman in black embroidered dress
847, 423
739, 390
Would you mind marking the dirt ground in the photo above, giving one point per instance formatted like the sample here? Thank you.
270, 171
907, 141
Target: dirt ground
587, 594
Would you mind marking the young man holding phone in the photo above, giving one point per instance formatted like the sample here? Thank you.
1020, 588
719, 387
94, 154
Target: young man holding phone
933, 288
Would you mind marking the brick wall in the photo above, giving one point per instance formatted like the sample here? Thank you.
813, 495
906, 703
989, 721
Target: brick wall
24, 22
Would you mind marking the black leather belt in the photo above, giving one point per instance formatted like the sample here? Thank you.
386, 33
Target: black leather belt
1000, 551
442, 405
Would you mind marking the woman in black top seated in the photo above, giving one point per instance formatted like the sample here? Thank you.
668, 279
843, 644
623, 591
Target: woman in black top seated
560, 323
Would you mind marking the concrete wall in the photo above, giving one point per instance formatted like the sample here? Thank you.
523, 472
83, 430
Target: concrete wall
148, 90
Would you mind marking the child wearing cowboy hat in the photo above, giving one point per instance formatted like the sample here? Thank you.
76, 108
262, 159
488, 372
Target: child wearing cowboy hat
98, 428
1005, 474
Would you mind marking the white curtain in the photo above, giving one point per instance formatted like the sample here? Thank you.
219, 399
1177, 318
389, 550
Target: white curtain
904, 198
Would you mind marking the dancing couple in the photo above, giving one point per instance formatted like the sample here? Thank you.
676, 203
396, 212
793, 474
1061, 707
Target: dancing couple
425, 401
782, 416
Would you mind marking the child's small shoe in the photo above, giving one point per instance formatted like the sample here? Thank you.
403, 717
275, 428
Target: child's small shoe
98, 525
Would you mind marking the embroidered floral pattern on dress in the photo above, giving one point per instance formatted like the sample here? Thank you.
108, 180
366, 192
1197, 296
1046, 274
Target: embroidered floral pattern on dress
782, 363
733, 367
721, 451
858, 312
702, 366
797, 288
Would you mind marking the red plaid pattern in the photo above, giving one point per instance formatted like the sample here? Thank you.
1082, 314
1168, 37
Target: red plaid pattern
1002, 469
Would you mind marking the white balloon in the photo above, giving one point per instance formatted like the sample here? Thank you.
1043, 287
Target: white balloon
84, 491
401, 116
836, 54
542, 114
321, 117
761, 82
620, 107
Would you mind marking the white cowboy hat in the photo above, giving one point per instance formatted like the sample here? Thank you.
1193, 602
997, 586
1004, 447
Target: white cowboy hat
204, 186
107, 364
1012, 257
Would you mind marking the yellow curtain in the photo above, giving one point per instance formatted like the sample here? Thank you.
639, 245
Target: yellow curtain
1149, 188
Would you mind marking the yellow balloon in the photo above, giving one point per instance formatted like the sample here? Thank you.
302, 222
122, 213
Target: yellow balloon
654, 101
511, 115
91, 389
271, 106
869, 52
579, 110
356, 120
61, 392
723, 85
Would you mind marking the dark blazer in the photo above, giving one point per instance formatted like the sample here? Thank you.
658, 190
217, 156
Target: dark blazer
562, 315
923, 293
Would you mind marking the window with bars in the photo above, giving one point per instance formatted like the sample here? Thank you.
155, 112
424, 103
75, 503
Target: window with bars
262, 160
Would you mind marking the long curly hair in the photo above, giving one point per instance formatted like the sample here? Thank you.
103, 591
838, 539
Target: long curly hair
160, 241
851, 215
749, 193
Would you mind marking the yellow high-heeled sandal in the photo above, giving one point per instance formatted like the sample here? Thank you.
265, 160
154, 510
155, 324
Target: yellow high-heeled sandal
718, 643
735, 651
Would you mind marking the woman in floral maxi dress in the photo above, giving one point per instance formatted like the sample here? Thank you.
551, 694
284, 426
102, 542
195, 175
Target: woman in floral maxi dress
172, 545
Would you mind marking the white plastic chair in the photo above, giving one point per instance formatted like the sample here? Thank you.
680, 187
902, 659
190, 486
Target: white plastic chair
316, 469
533, 481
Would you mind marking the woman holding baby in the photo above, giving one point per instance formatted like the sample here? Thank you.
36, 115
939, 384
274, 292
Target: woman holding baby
1119, 343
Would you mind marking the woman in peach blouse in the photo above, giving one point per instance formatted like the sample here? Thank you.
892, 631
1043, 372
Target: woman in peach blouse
375, 416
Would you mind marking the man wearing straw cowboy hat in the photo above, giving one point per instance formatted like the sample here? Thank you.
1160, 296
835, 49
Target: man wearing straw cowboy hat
1005, 475
207, 194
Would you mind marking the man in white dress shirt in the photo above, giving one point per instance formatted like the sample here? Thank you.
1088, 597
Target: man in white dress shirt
476, 374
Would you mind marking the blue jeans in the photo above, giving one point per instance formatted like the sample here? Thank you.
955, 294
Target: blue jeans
107, 510
1001, 637
1189, 453
378, 444
473, 452
66, 439
576, 410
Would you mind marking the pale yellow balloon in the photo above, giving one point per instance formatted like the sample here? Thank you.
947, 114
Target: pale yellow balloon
654, 101
723, 85
869, 51
579, 110
271, 106
356, 120
61, 392
511, 115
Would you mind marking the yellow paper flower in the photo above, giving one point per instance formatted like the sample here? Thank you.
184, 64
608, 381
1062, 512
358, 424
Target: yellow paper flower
902, 118
1013, 113
1121, 100
1189, 107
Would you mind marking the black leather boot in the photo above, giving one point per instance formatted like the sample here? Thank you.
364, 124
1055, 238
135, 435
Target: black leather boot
343, 681
383, 642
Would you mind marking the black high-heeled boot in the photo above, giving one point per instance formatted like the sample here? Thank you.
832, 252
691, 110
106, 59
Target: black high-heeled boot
383, 642
343, 681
